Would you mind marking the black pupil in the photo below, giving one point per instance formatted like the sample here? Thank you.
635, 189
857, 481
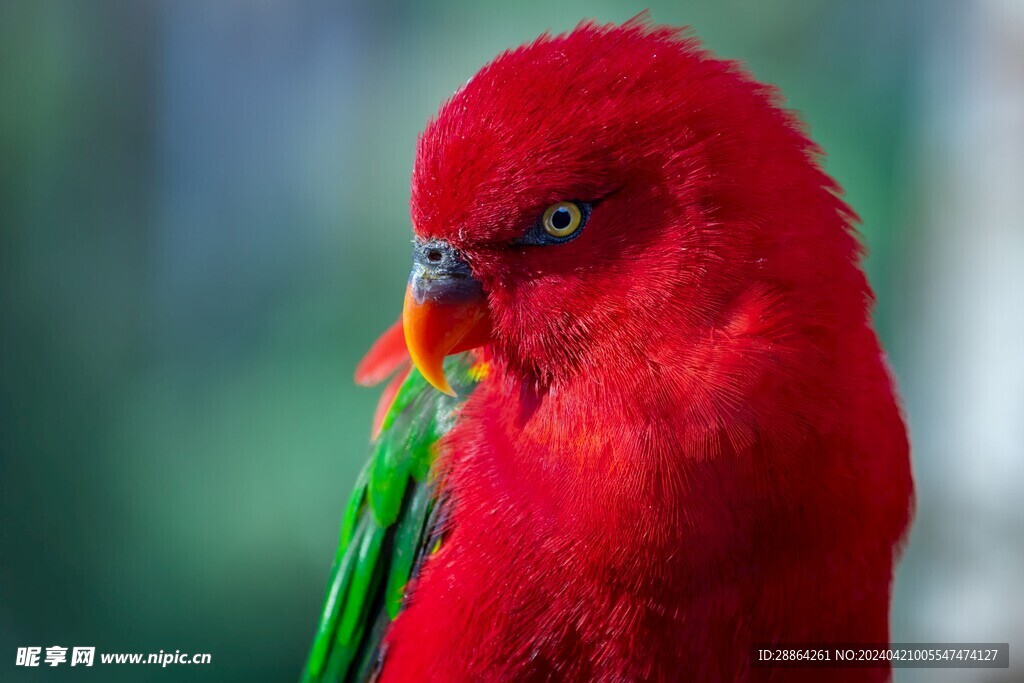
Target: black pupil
561, 219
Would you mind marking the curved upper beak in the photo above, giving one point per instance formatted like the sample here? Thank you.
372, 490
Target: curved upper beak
445, 310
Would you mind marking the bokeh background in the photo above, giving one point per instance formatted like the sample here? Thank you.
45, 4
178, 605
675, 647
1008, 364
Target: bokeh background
204, 213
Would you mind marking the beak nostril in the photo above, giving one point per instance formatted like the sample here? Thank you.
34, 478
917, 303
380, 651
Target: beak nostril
437, 259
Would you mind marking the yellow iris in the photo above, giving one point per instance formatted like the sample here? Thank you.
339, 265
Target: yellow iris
562, 219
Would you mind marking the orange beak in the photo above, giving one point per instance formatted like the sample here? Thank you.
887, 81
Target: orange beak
445, 311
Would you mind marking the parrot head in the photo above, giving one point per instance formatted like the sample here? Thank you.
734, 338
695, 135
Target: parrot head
587, 194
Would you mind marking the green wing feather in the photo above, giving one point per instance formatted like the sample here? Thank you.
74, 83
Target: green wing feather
387, 526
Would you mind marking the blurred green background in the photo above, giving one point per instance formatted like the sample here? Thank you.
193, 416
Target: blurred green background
204, 213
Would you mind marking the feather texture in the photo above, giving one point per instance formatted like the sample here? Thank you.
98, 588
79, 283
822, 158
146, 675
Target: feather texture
387, 526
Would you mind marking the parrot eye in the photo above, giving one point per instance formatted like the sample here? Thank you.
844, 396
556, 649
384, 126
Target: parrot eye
560, 222
562, 219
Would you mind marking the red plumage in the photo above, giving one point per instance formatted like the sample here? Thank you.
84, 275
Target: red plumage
386, 355
688, 441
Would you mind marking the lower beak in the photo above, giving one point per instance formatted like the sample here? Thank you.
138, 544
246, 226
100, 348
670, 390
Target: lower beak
445, 311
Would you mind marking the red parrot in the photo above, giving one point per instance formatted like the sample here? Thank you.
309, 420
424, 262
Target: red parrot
665, 431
